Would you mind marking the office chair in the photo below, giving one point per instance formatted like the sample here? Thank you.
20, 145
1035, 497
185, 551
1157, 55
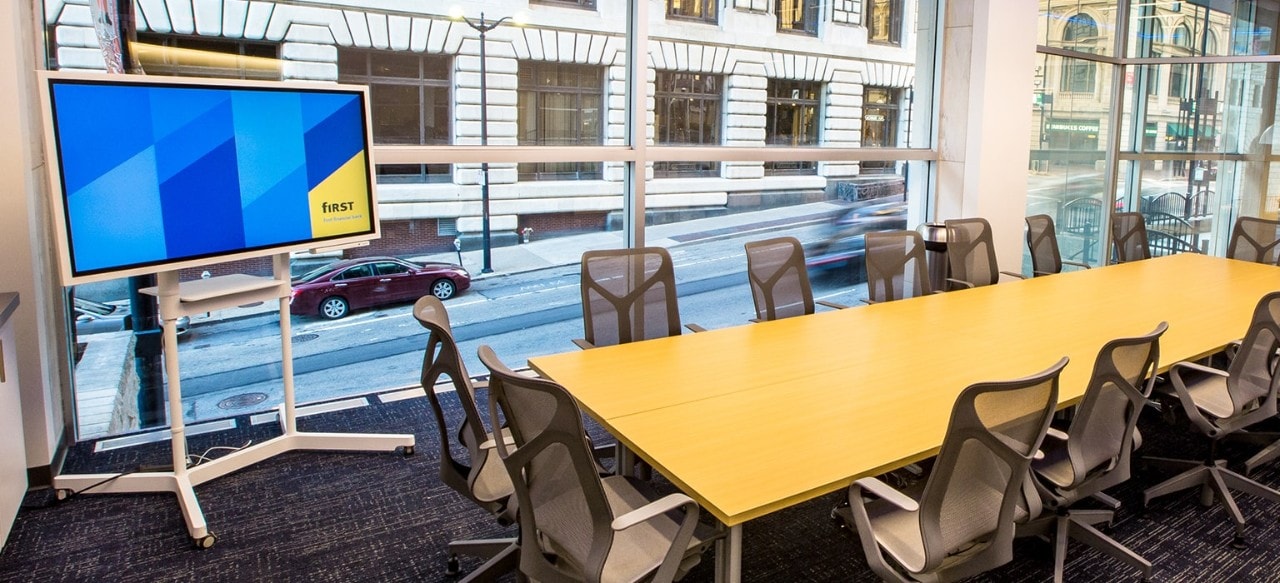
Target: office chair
972, 254
1042, 239
1095, 452
1219, 403
628, 295
963, 521
1129, 235
574, 524
1255, 239
480, 477
896, 267
779, 279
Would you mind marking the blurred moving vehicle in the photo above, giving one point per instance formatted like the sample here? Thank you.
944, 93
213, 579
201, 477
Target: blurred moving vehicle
96, 317
333, 290
845, 248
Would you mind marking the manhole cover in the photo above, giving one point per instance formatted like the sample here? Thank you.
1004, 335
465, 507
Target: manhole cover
304, 338
242, 401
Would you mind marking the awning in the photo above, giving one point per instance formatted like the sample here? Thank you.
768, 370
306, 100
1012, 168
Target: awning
1183, 131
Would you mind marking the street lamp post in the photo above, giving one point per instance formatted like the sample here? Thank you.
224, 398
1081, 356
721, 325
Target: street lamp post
483, 27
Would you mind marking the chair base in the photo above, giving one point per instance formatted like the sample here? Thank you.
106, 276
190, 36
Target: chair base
502, 556
1080, 525
1214, 480
1269, 453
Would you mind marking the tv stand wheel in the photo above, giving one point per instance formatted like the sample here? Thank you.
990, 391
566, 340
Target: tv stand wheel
62, 494
452, 568
408, 450
206, 541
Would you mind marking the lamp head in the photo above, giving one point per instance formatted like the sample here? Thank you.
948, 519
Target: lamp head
456, 12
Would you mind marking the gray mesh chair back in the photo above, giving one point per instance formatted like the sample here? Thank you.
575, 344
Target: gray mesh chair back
964, 523
1096, 451
971, 252
1219, 403
568, 512
628, 295
1129, 235
1254, 239
896, 266
779, 280
480, 476
1046, 259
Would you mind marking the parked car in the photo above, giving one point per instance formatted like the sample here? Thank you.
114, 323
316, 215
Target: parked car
334, 290
845, 248
94, 317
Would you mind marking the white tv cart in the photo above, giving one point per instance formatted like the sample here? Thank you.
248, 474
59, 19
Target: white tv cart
193, 297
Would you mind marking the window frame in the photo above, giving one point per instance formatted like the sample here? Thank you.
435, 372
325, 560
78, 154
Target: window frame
810, 15
528, 87
892, 22
665, 97
706, 11
774, 103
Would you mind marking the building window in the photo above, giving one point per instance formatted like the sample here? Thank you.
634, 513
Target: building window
560, 105
1078, 75
791, 119
687, 114
879, 124
586, 4
704, 10
410, 102
797, 15
193, 56
884, 21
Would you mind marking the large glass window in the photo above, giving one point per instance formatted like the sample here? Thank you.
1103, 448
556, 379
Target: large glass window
797, 15
560, 105
792, 120
410, 99
884, 21
704, 10
879, 124
687, 113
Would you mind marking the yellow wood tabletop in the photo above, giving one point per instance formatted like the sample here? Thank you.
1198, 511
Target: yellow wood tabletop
751, 419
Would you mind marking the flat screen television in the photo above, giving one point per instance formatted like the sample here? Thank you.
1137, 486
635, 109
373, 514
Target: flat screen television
154, 174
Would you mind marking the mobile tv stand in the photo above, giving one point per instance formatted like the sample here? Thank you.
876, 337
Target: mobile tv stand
202, 296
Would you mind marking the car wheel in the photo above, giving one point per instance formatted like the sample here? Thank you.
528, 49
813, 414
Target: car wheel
333, 308
443, 289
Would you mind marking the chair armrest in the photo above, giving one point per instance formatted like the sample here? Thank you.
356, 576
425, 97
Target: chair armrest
1035, 273
1012, 274
583, 344
831, 305
1197, 367
695, 328
1056, 434
962, 283
648, 511
1189, 406
1076, 264
887, 493
867, 301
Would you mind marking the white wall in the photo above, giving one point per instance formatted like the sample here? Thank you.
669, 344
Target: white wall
985, 117
24, 262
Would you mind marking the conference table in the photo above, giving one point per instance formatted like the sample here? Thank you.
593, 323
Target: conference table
755, 418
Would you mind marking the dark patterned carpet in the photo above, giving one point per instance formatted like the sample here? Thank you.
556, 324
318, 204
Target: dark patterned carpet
383, 517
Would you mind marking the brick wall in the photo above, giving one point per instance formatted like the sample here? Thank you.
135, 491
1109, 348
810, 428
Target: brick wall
563, 223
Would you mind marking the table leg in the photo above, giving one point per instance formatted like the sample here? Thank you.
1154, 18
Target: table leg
729, 556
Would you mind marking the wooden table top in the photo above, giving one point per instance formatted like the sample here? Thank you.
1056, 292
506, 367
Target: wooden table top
754, 418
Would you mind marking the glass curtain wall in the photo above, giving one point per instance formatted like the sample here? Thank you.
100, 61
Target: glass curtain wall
1163, 108
558, 141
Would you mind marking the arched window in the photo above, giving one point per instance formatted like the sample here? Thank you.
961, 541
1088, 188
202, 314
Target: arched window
1182, 36
1180, 74
1154, 32
1079, 75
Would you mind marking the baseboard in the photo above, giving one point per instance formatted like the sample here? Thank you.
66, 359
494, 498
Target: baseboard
42, 476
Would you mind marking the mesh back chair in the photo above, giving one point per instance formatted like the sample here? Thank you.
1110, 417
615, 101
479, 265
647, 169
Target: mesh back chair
1254, 239
963, 521
1095, 452
972, 254
1042, 239
896, 266
1219, 403
1129, 235
779, 279
628, 295
480, 477
574, 524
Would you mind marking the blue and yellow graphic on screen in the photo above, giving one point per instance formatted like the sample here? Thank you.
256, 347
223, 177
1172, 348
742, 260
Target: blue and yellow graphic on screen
153, 174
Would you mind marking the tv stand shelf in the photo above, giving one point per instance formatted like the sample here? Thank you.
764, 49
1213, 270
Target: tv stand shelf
177, 299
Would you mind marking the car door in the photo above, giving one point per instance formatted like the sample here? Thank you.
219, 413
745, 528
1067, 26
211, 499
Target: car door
357, 283
395, 282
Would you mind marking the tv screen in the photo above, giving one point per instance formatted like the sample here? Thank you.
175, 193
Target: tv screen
158, 174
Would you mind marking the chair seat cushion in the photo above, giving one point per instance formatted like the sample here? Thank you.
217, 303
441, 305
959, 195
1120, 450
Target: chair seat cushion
1209, 393
639, 550
1056, 465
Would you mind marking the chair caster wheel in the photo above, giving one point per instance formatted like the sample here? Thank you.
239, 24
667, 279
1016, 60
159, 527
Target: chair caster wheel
452, 569
407, 451
206, 541
1238, 543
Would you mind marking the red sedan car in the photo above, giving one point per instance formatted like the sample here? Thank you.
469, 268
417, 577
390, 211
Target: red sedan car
335, 289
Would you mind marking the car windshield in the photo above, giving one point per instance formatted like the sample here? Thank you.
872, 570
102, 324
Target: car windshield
314, 273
